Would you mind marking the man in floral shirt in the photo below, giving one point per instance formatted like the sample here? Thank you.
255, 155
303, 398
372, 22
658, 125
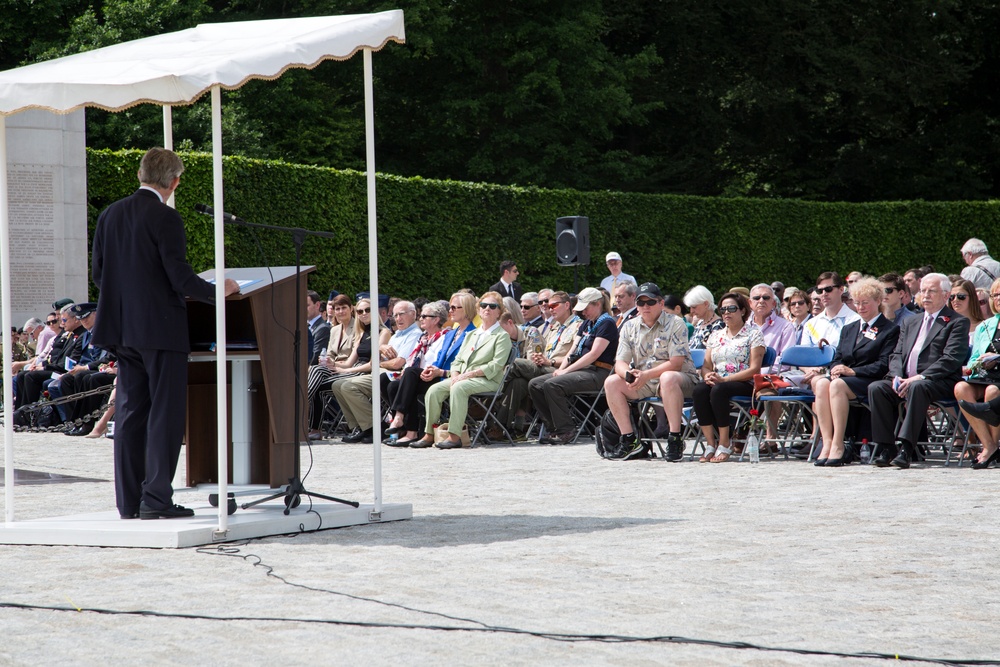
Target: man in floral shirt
653, 359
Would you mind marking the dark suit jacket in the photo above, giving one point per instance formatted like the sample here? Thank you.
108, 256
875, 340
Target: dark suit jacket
140, 266
943, 353
321, 339
499, 288
71, 347
869, 359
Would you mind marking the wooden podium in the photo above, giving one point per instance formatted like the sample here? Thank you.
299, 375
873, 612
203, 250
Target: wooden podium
260, 322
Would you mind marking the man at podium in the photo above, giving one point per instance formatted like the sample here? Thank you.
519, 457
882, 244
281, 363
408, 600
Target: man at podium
141, 269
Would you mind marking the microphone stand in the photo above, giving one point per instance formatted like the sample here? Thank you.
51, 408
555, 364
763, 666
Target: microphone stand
295, 490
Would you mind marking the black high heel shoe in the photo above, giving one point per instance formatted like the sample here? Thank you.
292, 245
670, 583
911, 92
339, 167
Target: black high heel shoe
982, 465
820, 462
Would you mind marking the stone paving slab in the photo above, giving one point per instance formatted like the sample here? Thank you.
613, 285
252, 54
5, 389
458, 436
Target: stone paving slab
553, 539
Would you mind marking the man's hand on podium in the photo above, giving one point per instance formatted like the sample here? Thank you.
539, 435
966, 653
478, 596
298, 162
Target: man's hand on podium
232, 287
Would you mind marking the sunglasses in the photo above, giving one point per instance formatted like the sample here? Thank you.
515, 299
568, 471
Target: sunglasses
424, 317
729, 309
542, 302
645, 303
52, 321
553, 304
825, 290
526, 307
796, 303
364, 311
491, 306
960, 297
454, 308
759, 297
890, 290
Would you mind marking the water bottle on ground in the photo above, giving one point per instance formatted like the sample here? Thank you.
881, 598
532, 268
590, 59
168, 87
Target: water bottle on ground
753, 448
866, 452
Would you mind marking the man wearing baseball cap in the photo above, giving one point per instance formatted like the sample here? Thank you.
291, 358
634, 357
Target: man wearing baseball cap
617, 277
653, 359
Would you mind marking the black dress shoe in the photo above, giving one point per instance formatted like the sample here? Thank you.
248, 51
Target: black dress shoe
393, 430
983, 465
421, 443
981, 411
835, 463
820, 462
902, 460
172, 512
82, 429
129, 515
396, 443
367, 437
886, 454
354, 436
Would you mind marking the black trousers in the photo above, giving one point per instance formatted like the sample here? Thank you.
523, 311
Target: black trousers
86, 381
885, 405
149, 426
32, 384
403, 394
711, 403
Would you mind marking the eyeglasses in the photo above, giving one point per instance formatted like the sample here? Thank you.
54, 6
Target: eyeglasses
890, 290
759, 297
796, 303
52, 321
645, 303
454, 308
995, 296
729, 309
930, 290
364, 311
491, 306
825, 290
424, 317
401, 313
960, 297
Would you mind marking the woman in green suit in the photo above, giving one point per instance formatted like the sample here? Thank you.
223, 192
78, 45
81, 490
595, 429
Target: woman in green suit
478, 368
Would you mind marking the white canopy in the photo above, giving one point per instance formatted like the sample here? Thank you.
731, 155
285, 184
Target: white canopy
178, 68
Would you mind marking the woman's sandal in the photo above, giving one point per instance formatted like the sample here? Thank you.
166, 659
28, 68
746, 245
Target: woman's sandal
707, 456
722, 455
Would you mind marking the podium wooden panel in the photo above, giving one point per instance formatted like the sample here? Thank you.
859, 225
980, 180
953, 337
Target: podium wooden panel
263, 312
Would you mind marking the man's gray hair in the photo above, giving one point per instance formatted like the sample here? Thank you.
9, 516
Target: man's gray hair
32, 323
762, 286
407, 306
65, 309
942, 279
974, 247
530, 296
160, 167
630, 287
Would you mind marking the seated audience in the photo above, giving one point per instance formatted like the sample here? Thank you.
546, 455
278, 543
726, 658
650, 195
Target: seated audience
862, 357
732, 357
924, 367
478, 368
341, 344
530, 310
982, 384
798, 312
964, 301
653, 359
582, 370
625, 302
894, 302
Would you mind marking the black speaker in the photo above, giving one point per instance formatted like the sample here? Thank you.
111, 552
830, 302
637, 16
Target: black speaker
573, 241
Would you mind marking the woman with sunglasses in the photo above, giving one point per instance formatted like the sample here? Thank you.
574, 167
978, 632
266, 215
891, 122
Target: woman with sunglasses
965, 301
339, 349
359, 362
979, 386
798, 312
478, 368
733, 356
419, 377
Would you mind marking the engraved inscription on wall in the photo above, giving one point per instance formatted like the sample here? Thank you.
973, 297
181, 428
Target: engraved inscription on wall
32, 236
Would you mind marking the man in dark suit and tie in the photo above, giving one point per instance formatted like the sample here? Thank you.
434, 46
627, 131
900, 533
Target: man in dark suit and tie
924, 367
319, 331
508, 285
140, 267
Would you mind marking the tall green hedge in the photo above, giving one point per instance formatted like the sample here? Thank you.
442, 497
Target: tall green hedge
437, 236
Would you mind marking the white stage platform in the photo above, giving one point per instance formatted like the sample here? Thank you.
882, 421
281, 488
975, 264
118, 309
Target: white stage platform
107, 529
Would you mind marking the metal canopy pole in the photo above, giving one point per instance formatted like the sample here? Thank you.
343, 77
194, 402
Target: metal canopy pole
220, 310
373, 273
8, 394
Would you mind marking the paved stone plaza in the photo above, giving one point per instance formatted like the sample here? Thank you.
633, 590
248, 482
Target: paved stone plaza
538, 538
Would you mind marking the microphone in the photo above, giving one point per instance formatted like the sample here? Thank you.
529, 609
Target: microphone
226, 217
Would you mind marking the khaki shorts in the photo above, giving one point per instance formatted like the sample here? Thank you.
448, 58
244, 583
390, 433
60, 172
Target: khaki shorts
652, 388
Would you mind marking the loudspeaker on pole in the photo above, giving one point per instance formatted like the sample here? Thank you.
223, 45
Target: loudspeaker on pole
573, 241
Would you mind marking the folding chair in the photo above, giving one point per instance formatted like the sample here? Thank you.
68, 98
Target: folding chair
584, 410
647, 413
333, 417
741, 405
797, 405
486, 402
